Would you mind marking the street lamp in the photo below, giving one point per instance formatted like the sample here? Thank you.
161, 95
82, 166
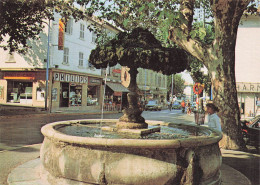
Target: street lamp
144, 84
171, 99
47, 68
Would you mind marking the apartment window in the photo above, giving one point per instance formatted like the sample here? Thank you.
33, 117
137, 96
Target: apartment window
66, 56
82, 31
151, 78
94, 37
81, 58
10, 58
163, 81
159, 81
68, 26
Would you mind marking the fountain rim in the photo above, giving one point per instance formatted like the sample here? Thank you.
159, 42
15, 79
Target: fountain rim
50, 132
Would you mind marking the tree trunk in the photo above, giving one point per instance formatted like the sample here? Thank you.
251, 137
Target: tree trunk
227, 15
225, 98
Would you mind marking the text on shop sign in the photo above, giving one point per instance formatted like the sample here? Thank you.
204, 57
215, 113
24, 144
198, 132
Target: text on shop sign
248, 87
63, 77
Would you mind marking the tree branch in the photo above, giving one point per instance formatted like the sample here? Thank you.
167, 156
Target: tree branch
181, 36
192, 46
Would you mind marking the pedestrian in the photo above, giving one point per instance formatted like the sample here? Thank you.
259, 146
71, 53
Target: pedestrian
213, 119
170, 105
188, 107
183, 106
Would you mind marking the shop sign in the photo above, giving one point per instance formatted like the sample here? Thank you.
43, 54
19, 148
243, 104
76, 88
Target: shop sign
248, 87
54, 94
117, 93
61, 34
64, 77
93, 81
19, 75
117, 71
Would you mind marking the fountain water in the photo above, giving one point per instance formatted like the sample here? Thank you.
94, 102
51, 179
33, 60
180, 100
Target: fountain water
103, 103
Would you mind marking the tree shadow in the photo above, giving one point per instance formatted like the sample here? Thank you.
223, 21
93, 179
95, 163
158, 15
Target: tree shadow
37, 54
246, 163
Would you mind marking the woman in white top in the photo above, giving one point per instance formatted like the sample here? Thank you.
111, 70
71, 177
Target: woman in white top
213, 119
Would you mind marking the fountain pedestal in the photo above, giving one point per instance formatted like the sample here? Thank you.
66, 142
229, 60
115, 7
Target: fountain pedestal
132, 118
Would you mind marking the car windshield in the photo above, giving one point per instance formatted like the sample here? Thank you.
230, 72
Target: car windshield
254, 121
152, 103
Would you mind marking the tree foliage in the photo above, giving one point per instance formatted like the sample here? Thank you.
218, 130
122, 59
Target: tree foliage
178, 84
21, 20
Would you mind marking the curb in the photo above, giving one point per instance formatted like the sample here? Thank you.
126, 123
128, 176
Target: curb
56, 113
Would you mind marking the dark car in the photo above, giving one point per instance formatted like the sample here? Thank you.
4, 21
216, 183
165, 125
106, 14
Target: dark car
153, 105
251, 131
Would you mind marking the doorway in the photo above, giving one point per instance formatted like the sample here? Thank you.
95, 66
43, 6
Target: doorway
64, 95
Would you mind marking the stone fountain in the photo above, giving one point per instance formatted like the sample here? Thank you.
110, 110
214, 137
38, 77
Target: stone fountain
131, 150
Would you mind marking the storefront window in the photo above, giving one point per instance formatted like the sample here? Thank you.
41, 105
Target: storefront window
75, 95
19, 92
93, 95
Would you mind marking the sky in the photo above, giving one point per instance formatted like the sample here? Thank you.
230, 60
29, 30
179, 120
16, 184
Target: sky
186, 76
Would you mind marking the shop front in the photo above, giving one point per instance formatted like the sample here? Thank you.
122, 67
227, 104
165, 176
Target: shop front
74, 91
67, 89
23, 87
144, 93
248, 98
115, 96
94, 86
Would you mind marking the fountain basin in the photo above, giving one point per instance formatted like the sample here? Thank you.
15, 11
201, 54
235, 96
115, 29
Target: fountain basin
192, 160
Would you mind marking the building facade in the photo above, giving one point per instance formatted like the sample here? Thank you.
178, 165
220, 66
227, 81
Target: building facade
72, 82
248, 65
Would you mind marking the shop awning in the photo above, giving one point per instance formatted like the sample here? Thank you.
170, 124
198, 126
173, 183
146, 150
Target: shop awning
117, 87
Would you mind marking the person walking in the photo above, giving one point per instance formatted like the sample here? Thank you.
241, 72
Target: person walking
183, 106
170, 105
213, 119
188, 107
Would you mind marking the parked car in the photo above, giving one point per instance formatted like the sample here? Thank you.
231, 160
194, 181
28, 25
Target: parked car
153, 105
251, 131
193, 106
176, 105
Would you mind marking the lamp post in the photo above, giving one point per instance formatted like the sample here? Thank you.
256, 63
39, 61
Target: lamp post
144, 84
47, 68
172, 89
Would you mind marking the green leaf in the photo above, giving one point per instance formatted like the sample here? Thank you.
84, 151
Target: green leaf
141, 8
193, 34
202, 33
125, 23
151, 5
